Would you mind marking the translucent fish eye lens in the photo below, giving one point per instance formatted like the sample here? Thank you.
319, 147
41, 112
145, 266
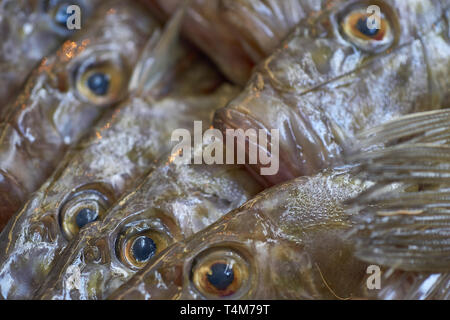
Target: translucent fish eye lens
98, 83
85, 216
137, 244
362, 26
80, 209
221, 276
143, 248
221, 273
61, 14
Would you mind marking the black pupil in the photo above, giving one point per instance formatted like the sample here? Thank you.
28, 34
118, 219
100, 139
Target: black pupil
143, 248
85, 216
221, 276
364, 29
98, 83
61, 15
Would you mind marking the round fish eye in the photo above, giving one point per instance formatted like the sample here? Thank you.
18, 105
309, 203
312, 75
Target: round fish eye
82, 208
101, 80
98, 83
221, 273
56, 11
60, 14
141, 241
85, 216
143, 248
367, 32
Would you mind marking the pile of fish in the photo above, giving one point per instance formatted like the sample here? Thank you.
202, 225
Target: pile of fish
94, 205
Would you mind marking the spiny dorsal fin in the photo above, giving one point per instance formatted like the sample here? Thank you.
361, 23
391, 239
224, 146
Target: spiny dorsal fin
403, 221
160, 54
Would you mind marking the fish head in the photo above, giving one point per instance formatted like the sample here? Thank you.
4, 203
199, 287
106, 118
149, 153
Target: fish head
285, 243
173, 202
66, 94
31, 30
38, 233
333, 76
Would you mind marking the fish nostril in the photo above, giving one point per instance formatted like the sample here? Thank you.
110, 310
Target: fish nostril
143, 248
98, 83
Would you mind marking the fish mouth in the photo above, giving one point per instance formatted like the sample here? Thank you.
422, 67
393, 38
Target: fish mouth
291, 164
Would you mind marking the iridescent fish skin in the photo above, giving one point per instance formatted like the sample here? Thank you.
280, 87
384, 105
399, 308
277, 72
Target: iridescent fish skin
30, 30
173, 202
122, 147
237, 34
330, 81
65, 95
286, 243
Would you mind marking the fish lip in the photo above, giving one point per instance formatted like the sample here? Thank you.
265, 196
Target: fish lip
227, 118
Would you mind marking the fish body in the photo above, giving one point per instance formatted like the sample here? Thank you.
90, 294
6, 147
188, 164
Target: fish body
122, 147
30, 30
64, 97
173, 202
330, 80
286, 243
238, 34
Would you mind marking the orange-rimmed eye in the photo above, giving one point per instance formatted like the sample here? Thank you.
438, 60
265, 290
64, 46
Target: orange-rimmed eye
367, 31
83, 208
220, 273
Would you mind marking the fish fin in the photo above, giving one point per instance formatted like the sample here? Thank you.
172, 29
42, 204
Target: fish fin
162, 51
403, 220
423, 127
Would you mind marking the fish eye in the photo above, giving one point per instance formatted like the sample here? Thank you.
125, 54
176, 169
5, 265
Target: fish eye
101, 82
57, 12
367, 32
220, 273
82, 208
141, 241
60, 14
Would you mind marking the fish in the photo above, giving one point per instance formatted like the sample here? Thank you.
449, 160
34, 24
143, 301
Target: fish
402, 221
123, 146
30, 30
288, 242
174, 201
65, 96
333, 77
237, 34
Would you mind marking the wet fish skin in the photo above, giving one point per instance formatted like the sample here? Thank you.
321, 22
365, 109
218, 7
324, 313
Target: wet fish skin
173, 201
320, 89
56, 106
30, 31
287, 243
237, 34
122, 147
